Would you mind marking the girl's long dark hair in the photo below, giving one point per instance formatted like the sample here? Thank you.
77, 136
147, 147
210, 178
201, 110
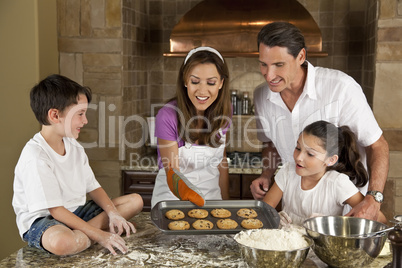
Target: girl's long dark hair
340, 141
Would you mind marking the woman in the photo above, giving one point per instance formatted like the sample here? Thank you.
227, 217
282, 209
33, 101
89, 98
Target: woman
191, 128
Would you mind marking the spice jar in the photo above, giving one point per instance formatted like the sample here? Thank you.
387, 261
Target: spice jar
233, 99
245, 104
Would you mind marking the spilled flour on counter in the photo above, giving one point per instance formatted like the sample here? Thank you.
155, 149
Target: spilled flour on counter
272, 239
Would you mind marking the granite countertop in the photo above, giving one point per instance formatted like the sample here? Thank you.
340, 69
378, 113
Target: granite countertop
150, 247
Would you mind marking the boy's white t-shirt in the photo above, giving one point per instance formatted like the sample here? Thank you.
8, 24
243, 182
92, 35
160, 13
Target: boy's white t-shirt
44, 179
326, 198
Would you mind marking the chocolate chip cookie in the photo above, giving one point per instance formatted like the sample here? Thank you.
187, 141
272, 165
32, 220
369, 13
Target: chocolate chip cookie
247, 213
179, 225
203, 225
198, 213
251, 223
221, 213
175, 214
226, 224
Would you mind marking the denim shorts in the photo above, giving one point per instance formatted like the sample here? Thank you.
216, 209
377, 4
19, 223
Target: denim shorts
34, 235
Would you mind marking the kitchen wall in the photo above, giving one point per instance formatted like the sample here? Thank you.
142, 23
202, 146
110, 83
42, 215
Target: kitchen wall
116, 48
28, 53
388, 92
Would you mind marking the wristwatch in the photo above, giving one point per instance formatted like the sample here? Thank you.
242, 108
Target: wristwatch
378, 196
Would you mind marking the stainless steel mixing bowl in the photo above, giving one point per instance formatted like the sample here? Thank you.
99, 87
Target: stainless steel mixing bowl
273, 258
334, 245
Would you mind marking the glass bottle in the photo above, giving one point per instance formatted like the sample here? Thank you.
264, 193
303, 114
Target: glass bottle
233, 99
245, 104
239, 105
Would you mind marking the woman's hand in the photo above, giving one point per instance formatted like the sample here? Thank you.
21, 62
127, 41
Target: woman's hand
116, 221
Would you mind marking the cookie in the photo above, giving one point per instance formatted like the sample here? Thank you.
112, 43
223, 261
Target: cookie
251, 223
175, 214
226, 224
198, 213
221, 213
203, 225
247, 213
179, 225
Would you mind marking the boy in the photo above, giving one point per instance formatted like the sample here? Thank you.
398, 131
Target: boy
52, 178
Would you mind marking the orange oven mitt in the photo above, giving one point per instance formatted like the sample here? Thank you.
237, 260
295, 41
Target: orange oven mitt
183, 188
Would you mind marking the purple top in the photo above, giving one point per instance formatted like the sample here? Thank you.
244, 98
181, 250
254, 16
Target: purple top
166, 126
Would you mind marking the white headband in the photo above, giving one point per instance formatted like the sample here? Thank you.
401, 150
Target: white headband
213, 50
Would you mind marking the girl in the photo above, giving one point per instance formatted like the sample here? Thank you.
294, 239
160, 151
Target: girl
324, 177
191, 129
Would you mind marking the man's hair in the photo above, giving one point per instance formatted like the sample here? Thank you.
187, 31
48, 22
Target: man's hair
282, 34
55, 92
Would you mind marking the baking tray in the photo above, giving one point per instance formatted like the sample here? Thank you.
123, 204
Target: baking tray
267, 214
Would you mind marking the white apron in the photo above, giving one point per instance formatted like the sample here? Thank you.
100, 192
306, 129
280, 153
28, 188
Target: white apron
199, 163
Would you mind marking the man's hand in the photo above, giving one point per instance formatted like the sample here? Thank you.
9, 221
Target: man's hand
259, 187
368, 209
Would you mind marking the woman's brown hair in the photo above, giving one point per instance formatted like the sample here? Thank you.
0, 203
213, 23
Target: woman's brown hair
216, 116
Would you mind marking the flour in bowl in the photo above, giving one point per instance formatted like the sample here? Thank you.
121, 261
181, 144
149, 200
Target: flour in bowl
275, 239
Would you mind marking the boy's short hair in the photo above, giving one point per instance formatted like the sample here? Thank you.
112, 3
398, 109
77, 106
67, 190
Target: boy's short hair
55, 92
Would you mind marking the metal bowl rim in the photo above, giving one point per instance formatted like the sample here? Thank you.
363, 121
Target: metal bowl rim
342, 236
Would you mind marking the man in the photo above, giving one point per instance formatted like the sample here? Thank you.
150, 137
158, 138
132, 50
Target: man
297, 94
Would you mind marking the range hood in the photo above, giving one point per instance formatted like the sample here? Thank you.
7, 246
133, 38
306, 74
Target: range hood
232, 26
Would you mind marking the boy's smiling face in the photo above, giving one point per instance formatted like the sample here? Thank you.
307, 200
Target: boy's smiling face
74, 117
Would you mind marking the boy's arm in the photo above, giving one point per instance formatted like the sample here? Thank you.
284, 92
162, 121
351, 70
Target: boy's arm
107, 240
100, 197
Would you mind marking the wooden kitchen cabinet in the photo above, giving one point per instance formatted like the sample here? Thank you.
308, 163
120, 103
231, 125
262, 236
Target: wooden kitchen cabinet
246, 180
140, 182
234, 186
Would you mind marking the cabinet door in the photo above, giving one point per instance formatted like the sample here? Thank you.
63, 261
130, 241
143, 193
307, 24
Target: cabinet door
140, 182
246, 181
234, 186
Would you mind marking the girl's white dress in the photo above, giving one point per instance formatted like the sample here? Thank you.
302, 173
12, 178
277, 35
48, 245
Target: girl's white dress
326, 198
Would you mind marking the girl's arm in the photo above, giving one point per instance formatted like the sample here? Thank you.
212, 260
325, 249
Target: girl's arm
224, 177
274, 196
357, 198
169, 152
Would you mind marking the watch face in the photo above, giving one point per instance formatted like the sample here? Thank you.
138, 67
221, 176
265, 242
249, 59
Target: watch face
379, 197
